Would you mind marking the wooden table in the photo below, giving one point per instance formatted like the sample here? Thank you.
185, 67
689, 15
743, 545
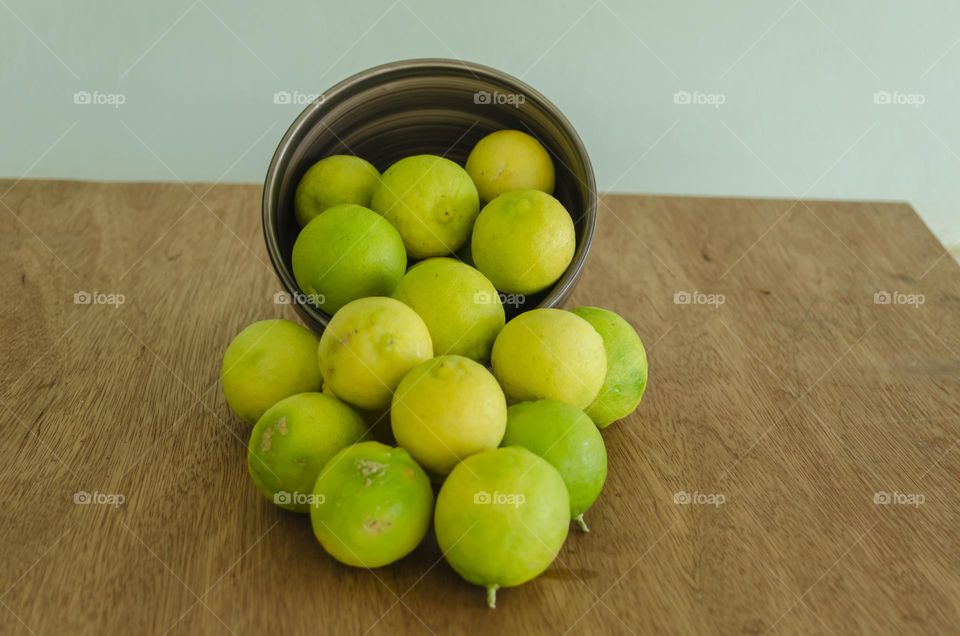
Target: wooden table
783, 402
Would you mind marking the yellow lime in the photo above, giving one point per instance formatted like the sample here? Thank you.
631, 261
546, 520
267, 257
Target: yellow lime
447, 409
550, 354
367, 348
266, 362
332, 181
509, 160
523, 241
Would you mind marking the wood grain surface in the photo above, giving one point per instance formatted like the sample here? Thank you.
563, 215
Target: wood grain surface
783, 402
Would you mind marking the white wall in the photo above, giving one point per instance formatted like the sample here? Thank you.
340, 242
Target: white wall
797, 80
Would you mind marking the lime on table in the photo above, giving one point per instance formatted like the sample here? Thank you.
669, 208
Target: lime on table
549, 354
367, 348
293, 441
626, 378
447, 409
567, 438
501, 518
371, 505
266, 362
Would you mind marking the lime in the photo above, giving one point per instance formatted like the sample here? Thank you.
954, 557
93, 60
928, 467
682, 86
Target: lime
371, 505
431, 201
345, 253
509, 160
367, 348
266, 362
549, 354
447, 409
292, 442
567, 438
626, 376
460, 306
523, 241
501, 518
333, 181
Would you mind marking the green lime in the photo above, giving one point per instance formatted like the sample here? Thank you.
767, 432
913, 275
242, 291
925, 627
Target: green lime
549, 354
367, 348
266, 362
626, 377
460, 306
431, 201
333, 181
371, 505
447, 409
293, 440
567, 438
502, 516
345, 253
509, 160
523, 241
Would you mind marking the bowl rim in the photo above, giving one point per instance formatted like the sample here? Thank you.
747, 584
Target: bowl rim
316, 317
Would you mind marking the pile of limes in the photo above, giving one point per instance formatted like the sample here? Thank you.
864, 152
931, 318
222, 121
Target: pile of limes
427, 349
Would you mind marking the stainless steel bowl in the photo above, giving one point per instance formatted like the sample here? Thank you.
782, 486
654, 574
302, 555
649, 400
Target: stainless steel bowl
410, 107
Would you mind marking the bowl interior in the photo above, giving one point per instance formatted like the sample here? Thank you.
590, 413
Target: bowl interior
438, 107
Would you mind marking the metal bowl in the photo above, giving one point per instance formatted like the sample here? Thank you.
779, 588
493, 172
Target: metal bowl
411, 107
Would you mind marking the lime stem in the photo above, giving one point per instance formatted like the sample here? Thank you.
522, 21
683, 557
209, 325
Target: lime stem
581, 523
492, 595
